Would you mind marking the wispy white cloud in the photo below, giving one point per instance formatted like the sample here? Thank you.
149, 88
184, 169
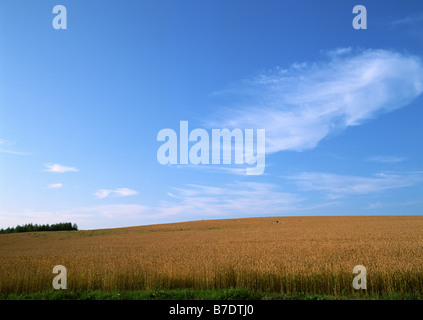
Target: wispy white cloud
55, 185
336, 186
7, 144
118, 211
386, 159
412, 19
338, 51
236, 199
13, 152
57, 168
233, 200
194, 201
304, 104
379, 204
191, 202
121, 192
410, 25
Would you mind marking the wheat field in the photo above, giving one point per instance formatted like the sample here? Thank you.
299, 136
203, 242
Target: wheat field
313, 255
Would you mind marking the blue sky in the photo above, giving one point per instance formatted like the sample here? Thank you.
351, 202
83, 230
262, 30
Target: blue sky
80, 109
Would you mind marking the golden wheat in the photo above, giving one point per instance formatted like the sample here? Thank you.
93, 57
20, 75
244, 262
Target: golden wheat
283, 254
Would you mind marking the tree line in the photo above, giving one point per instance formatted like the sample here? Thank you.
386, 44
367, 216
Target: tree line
64, 226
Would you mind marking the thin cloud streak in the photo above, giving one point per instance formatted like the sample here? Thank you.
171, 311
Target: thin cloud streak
414, 19
336, 186
57, 168
121, 192
236, 199
13, 152
386, 159
308, 102
190, 202
55, 185
9, 143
